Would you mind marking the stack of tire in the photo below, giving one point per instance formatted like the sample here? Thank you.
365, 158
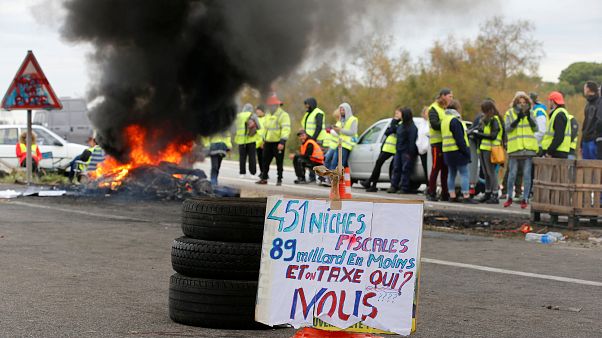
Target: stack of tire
217, 263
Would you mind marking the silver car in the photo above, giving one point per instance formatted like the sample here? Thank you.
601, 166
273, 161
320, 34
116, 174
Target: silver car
366, 151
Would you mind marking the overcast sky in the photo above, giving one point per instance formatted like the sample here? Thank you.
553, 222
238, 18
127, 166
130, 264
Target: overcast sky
569, 33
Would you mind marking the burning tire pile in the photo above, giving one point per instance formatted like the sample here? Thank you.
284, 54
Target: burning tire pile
217, 263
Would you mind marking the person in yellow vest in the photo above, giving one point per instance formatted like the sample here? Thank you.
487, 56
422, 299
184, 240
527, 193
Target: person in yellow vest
489, 132
556, 142
278, 130
456, 150
387, 151
574, 133
218, 145
331, 143
310, 155
405, 153
313, 121
21, 151
260, 112
521, 127
247, 126
347, 134
435, 116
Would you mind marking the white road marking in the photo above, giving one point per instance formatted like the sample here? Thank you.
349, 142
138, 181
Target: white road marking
80, 212
512, 272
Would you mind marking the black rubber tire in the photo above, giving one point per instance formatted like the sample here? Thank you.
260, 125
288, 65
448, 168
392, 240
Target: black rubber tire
224, 219
213, 303
217, 260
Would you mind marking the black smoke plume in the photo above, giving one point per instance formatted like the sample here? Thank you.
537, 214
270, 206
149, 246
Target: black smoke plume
175, 66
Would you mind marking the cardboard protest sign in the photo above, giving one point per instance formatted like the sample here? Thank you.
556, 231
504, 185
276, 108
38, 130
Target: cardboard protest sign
354, 268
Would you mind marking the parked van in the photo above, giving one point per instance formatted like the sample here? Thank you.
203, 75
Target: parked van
71, 123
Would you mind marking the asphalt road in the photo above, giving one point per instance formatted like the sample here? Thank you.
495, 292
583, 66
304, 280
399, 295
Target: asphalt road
100, 267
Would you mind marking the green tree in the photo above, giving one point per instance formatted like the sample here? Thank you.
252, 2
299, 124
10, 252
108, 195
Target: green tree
578, 73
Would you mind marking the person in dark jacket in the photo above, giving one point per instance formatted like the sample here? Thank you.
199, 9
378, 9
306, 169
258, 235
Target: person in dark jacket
435, 115
555, 143
387, 150
489, 133
592, 116
457, 154
405, 153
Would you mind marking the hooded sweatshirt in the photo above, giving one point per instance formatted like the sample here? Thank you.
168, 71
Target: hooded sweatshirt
247, 107
348, 114
313, 104
592, 116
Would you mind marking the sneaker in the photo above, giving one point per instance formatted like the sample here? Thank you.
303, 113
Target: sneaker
469, 201
524, 204
445, 198
301, 181
508, 203
392, 190
431, 197
262, 182
485, 197
365, 184
372, 189
278, 183
472, 191
493, 200
453, 199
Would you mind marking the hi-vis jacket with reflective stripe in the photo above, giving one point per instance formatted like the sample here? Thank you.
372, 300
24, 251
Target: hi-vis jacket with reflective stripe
522, 137
435, 135
348, 142
565, 146
449, 142
309, 124
487, 144
278, 126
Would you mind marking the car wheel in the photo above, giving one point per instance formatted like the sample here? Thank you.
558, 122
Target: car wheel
224, 219
213, 303
218, 260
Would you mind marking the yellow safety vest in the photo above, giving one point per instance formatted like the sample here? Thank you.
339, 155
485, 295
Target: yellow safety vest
390, 144
565, 146
573, 142
23, 147
241, 136
331, 141
435, 135
449, 143
349, 141
522, 137
309, 124
261, 132
487, 144
218, 138
277, 125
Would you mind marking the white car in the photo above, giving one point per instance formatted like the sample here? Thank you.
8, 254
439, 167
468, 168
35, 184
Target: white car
57, 153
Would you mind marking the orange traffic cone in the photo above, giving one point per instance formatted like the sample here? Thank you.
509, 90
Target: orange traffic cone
347, 183
316, 333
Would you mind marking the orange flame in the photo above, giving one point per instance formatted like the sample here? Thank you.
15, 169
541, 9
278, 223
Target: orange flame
115, 172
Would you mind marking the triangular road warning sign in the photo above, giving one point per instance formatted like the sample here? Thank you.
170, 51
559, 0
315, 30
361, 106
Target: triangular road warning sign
30, 88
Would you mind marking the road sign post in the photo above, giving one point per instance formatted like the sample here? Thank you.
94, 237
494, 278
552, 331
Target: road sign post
30, 90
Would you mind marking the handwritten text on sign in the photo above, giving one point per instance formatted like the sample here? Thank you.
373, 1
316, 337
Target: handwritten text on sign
341, 266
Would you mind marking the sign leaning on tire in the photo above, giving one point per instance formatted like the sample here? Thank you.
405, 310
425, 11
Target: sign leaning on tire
354, 266
217, 263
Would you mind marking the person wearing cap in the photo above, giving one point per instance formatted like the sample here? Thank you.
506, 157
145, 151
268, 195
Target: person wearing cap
436, 115
456, 151
556, 142
310, 155
247, 127
278, 130
592, 116
522, 144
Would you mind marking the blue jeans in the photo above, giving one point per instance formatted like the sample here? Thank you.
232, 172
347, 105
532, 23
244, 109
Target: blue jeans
403, 163
513, 164
335, 159
589, 150
464, 178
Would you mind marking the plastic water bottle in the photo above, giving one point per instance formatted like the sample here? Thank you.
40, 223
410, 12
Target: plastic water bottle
540, 238
559, 236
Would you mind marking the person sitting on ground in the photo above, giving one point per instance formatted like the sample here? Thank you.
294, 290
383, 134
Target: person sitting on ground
21, 151
88, 160
310, 155
387, 151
